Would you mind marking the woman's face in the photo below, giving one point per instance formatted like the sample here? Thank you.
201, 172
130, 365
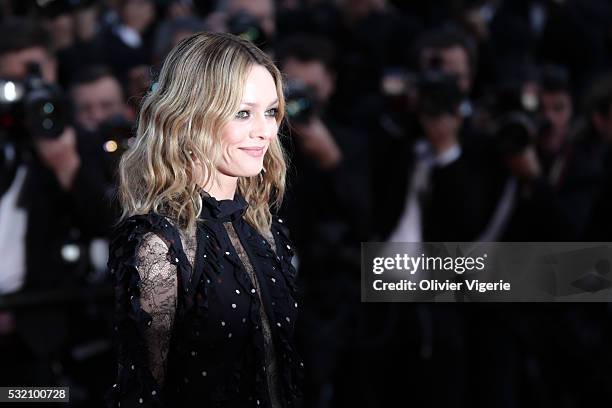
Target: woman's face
245, 139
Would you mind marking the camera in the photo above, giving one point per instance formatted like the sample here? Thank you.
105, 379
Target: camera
301, 103
32, 108
248, 27
439, 94
399, 88
514, 133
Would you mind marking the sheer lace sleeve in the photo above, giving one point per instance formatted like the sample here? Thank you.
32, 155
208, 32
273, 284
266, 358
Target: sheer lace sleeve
145, 271
158, 284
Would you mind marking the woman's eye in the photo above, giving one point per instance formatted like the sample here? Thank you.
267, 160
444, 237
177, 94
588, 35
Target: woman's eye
242, 114
272, 112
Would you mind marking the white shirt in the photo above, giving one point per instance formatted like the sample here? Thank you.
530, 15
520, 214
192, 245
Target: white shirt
13, 223
129, 36
409, 227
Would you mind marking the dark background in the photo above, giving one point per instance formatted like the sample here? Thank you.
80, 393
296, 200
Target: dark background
494, 117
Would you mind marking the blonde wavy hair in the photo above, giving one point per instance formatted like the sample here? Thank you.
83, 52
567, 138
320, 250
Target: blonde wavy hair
198, 92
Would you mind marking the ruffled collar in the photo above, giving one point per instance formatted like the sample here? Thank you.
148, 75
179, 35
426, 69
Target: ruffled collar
223, 210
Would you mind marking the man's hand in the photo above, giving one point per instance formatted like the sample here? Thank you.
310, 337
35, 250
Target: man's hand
7, 323
525, 165
60, 155
317, 142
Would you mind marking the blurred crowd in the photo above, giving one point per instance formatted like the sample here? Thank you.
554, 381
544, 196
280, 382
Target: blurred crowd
447, 120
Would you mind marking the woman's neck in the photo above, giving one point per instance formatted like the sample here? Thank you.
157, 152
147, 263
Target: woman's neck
224, 188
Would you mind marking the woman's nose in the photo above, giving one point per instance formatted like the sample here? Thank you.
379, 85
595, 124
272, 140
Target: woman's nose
263, 127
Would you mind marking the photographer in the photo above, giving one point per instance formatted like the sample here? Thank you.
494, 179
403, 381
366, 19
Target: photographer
528, 209
554, 117
325, 206
329, 154
449, 51
440, 172
53, 199
97, 97
591, 162
128, 43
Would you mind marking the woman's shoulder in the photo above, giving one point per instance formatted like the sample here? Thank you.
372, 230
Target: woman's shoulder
133, 233
137, 226
280, 232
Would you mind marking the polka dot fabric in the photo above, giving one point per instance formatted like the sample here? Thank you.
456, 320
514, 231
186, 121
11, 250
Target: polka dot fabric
217, 354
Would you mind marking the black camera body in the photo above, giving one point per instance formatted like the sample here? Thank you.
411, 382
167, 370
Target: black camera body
32, 108
246, 26
515, 131
300, 102
439, 94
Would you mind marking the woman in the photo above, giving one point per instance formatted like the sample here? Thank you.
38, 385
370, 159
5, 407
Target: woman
203, 278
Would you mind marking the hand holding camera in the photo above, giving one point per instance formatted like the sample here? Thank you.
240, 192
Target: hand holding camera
316, 141
60, 155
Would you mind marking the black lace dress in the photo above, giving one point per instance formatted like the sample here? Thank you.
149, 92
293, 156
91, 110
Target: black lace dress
204, 318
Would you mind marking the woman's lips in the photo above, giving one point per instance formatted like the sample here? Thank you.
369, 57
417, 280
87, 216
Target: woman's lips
253, 151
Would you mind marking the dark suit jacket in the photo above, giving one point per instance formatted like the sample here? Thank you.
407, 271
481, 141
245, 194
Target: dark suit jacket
57, 217
456, 208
